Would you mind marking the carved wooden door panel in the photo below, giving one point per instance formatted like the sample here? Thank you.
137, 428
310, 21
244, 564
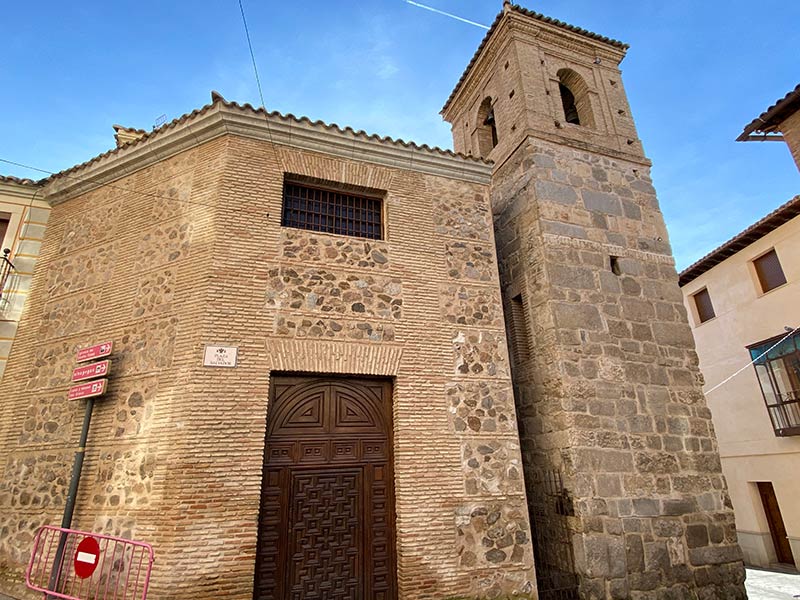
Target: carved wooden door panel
326, 526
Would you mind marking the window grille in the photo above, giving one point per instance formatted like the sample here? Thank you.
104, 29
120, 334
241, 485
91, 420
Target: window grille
331, 211
769, 271
778, 374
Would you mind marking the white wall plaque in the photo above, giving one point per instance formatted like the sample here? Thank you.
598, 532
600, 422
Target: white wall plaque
220, 356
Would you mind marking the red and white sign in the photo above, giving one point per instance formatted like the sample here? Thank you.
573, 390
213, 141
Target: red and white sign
99, 369
96, 351
87, 556
88, 390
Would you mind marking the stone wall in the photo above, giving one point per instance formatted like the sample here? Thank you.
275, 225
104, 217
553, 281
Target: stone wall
190, 252
790, 128
611, 394
115, 265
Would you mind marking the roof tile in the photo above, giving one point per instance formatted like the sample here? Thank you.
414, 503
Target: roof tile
756, 231
217, 98
770, 117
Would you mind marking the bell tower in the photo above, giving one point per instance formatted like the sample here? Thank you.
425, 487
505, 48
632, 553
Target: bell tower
626, 493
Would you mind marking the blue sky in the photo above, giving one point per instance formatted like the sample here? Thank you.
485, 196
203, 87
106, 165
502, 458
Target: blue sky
696, 73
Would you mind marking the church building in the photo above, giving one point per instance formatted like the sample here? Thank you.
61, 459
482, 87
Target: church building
349, 367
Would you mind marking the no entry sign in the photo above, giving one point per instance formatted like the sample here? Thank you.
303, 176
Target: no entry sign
96, 351
88, 390
84, 372
87, 556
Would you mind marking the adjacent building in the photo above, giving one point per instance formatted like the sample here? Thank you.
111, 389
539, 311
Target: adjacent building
23, 217
743, 301
374, 437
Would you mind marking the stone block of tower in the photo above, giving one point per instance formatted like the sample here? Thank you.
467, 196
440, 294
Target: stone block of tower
622, 469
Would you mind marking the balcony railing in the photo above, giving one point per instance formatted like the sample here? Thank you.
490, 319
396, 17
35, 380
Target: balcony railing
6, 270
785, 413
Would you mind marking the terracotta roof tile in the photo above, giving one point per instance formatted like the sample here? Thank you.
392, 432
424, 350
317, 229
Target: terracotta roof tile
116, 127
18, 180
773, 116
217, 98
756, 231
539, 17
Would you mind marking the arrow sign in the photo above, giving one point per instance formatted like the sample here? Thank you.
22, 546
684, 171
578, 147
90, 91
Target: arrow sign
91, 371
96, 351
88, 390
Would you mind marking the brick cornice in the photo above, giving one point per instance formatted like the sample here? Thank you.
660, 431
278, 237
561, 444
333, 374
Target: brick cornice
221, 119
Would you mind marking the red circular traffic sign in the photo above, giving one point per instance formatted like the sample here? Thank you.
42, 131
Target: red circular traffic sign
86, 557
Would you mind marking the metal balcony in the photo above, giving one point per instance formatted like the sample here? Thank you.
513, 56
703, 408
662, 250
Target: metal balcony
785, 413
6, 270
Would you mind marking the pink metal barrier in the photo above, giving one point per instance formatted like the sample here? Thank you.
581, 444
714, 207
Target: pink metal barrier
76, 565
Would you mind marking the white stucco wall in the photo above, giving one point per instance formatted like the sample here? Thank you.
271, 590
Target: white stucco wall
24, 238
750, 450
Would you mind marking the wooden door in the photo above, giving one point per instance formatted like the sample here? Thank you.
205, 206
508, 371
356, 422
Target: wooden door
326, 526
775, 520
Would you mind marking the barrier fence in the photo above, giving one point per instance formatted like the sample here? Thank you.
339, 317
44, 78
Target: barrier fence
76, 565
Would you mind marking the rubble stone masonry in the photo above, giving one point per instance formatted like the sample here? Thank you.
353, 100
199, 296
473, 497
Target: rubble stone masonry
189, 251
606, 379
611, 394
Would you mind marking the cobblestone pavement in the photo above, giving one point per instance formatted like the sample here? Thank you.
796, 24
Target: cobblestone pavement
761, 585
771, 585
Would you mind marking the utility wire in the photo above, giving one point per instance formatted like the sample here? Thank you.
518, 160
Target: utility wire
258, 83
759, 357
252, 54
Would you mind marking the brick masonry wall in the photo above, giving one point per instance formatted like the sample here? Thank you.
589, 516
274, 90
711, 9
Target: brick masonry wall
790, 129
611, 394
175, 450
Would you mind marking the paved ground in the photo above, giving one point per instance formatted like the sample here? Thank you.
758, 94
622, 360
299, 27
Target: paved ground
769, 585
761, 585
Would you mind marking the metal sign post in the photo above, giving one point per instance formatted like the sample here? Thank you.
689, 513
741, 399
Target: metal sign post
89, 391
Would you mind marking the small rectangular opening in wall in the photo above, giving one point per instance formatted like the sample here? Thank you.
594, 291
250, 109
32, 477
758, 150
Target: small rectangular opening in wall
614, 264
519, 338
705, 309
330, 207
769, 271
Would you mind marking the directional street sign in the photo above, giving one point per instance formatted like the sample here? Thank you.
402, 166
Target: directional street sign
87, 556
84, 372
96, 351
88, 390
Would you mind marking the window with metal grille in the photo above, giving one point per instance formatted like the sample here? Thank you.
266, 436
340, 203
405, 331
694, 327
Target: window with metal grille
778, 370
702, 302
769, 271
331, 211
